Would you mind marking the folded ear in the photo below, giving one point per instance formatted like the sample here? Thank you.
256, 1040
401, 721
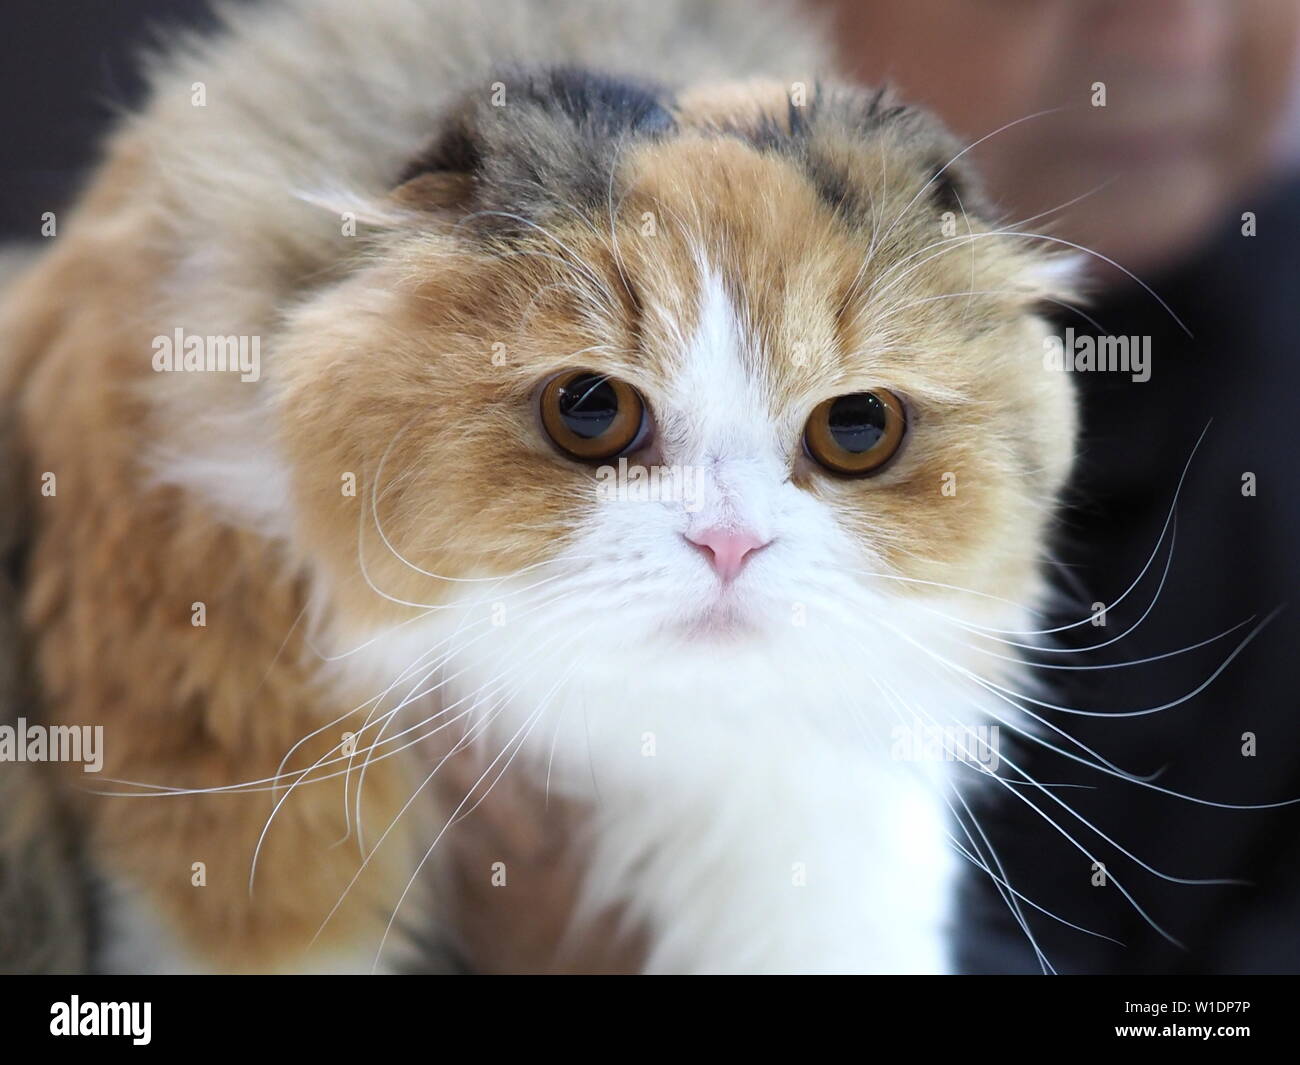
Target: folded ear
435, 191
530, 143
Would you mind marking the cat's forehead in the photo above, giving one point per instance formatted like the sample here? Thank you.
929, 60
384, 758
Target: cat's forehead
755, 262
828, 226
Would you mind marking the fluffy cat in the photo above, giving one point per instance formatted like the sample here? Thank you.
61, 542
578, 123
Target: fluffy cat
476, 257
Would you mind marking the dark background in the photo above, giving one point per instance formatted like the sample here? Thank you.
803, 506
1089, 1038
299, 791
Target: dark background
67, 67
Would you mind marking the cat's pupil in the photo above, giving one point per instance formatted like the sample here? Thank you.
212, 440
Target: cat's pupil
588, 405
857, 422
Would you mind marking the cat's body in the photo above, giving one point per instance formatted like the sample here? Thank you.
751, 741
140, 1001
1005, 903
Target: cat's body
379, 490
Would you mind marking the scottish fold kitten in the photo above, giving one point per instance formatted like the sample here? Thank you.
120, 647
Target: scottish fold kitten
606, 389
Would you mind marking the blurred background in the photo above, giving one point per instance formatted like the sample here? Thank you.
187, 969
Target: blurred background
1161, 136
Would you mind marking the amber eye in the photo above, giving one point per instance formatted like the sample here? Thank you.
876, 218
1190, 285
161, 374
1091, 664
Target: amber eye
590, 416
857, 434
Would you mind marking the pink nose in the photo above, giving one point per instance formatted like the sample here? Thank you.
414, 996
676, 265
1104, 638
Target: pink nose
727, 548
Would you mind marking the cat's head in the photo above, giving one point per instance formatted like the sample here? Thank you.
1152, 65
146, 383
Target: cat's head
688, 363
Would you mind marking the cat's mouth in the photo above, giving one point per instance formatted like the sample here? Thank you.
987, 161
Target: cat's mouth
724, 619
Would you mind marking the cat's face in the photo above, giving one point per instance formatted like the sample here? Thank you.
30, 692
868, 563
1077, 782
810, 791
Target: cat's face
827, 370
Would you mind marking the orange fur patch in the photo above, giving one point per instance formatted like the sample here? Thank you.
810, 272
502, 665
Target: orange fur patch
426, 358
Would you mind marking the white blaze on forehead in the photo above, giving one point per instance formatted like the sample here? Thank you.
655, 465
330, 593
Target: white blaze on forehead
720, 390
724, 417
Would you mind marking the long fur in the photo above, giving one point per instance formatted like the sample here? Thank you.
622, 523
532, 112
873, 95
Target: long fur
667, 192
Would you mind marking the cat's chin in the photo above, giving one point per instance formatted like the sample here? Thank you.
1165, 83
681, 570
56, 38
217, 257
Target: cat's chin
722, 621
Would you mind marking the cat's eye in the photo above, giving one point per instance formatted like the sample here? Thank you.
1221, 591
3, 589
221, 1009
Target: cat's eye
855, 435
591, 416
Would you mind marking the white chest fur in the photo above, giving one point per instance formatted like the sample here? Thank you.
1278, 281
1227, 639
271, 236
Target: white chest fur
750, 810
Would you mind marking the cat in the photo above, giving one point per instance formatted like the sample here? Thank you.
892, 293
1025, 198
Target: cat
318, 392
43, 921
